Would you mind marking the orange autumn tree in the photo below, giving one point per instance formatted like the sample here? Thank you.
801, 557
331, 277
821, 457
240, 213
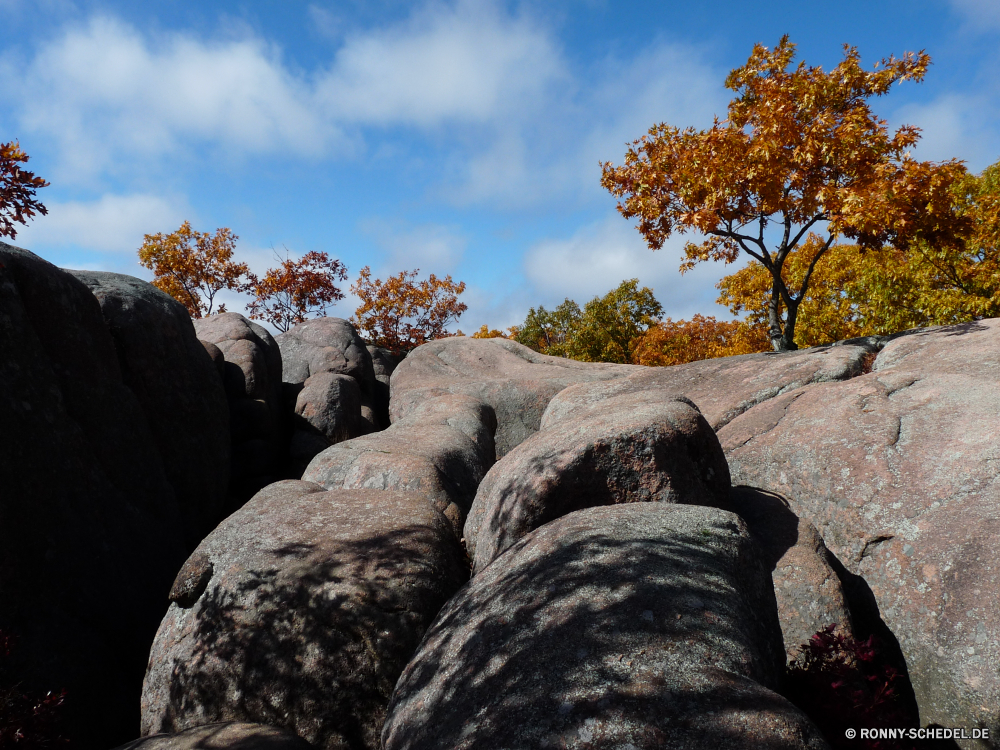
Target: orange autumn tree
295, 289
17, 189
703, 337
800, 152
190, 266
400, 314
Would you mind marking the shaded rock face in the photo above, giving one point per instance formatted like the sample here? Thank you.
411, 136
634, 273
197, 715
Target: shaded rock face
252, 380
722, 388
90, 534
175, 382
807, 587
441, 450
897, 469
637, 447
643, 625
384, 362
516, 381
314, 603
222, 736
318, 356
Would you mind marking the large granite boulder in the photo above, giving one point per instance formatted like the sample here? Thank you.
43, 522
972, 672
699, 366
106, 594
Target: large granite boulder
319, 357
229, 735
638, 626
175, 381
637, 447
90, 533
515, 380
300, 611
898, 470
441, 450
252, 380
725, 387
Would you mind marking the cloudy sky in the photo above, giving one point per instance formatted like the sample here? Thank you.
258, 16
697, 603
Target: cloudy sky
459, 137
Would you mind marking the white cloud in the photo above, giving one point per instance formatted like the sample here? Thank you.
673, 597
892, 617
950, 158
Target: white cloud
955, 126
598, 257
527, 160
432, 248
467, 62
979, 13
110, 224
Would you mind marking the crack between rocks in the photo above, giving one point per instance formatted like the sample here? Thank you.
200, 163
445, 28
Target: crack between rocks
873, 542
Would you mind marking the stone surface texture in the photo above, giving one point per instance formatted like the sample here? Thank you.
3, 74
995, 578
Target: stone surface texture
222, 736
897, 469
807, 587
634, 447
314, 604
516, 381
722, 388
90, 533
441, 450
176, 383
639, 626
252, 380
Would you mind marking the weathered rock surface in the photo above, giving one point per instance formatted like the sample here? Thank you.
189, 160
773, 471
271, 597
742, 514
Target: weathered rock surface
898, 470
222, 736
808, 590
722, 388
516, 381
174, 379
90, 534
303, 608
317, 358
441, 450
637, 447
252, 380
644, 625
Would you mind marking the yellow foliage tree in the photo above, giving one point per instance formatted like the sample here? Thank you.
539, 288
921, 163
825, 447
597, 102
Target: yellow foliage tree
800, 152
190, 266
400, 314
703, 337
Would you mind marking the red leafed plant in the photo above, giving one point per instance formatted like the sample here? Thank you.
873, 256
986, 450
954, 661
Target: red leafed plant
27, 721
841, 683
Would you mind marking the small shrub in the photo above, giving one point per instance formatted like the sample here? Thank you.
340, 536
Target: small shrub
27, 721
842, 683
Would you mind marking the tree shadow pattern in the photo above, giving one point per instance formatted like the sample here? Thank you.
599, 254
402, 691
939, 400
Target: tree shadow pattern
313, 642
633, 626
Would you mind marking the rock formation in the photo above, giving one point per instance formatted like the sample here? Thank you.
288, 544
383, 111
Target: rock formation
90, 531
251, 370
300, 611
167, 368
516, 381
643, 625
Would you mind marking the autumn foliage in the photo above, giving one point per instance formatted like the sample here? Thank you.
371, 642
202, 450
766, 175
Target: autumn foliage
192, 267
17, 189
800, 152
400, 313
703, 337
295, 290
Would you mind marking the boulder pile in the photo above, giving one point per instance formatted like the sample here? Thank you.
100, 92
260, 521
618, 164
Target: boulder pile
479, 546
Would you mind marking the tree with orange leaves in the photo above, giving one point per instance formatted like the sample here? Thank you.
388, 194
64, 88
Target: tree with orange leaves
295, 289
17, 189
400, 314
673, 342
800, 152
189, 265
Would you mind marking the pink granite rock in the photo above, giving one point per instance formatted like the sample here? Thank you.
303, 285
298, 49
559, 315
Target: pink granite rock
898, 471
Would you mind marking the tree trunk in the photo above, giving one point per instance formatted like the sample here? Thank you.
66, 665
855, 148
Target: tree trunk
788, 340
774, 319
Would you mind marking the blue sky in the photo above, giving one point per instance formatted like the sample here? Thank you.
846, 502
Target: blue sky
457, 137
